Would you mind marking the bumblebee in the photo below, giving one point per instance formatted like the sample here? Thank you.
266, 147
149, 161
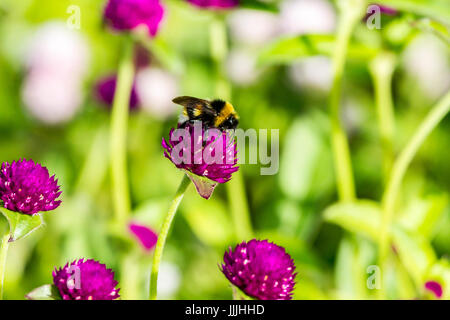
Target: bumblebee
213, 114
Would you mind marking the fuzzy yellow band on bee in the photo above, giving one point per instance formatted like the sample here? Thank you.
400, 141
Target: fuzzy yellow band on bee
198, 110
226, 111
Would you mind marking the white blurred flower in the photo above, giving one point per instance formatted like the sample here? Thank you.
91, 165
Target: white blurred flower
169, 280
253, 27
241, 67
352, 115
312, 73
55, 46
49, 98
427, 60
56, 61
156, 88
307, 16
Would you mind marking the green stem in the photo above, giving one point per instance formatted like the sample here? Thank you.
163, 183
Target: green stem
3, 255
163, 235
400, 166
381, 69
351, 12
118, 135
235, 187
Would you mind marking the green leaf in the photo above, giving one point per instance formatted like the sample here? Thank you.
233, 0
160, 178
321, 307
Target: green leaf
258, 5
45, 292
20, 224
434, 27
302, 172
422, 215
437, 8
287, 50
208, 220
415, 253
362, 217
205, 187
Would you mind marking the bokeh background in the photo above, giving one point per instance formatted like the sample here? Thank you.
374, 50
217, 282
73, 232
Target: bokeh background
49, 112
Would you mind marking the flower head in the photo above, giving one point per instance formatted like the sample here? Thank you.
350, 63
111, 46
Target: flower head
261, 269
27, 187
207, 156
106, 87
146, 237
129, 14
85, 280
215, 4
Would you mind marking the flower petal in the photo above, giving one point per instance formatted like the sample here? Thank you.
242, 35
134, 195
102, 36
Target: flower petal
146, 237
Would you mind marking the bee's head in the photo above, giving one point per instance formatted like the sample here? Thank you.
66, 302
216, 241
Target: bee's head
230, 123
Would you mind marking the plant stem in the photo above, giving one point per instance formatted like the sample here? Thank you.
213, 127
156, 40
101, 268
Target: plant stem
163, 235
351, 12
235, 187
381, 68
3, 255
400, 166
118, 135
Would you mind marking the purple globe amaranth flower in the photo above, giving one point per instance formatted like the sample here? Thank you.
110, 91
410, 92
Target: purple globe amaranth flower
27, 187
146, 236
207, 156
106, 87
215, 4
85, 280
261, 269
125, 15
434, 287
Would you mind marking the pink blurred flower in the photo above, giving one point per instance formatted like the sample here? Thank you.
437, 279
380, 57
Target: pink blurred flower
215, 4
105, 89
307, 16
434, 287
125, 15
156, 89
56, 63
146, 237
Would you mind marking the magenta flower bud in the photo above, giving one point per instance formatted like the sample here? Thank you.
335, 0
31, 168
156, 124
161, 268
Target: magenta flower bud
208, 157
261, 269
106, 87
215, 4
146, 237
435, 288
27, 187
126, 15
85, 280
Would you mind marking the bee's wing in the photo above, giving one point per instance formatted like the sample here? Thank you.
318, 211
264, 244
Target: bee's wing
191, 104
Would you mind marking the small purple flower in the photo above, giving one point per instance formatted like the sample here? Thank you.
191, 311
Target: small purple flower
129, 14
261, 269
434, 287
146, 237
106, 87
207, 156
85, 280
215, 4
27, 187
